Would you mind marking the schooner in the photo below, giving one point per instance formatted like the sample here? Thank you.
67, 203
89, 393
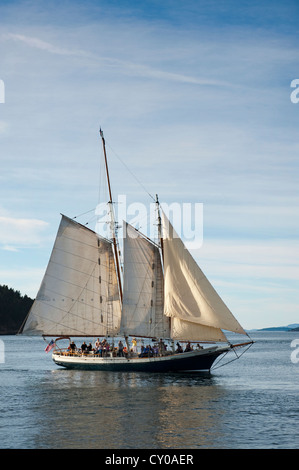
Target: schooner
162, 296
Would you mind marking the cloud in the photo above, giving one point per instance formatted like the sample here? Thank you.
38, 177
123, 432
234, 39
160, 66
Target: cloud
20, 232
40, 44
254, 259
257, 279
10, 248
125, 66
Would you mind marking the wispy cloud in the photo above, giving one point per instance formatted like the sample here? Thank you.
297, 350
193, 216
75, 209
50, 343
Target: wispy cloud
16, 232
10, 248
125, 66
252, 259
40, 44
257, 279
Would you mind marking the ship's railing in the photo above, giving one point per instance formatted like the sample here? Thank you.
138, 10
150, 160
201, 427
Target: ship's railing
66, 352
112, 354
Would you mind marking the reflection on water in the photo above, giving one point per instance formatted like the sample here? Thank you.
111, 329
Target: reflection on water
102, 410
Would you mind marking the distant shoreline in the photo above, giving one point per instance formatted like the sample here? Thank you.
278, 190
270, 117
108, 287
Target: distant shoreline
293, 327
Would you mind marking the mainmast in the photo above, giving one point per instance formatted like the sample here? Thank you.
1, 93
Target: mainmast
112, 220
159, 226
160, 237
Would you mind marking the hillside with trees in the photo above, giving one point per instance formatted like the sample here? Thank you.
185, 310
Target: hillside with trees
13, 310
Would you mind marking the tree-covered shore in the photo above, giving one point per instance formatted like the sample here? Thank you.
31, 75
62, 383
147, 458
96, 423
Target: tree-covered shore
13, 310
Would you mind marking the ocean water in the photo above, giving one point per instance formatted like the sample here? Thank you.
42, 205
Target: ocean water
251, 403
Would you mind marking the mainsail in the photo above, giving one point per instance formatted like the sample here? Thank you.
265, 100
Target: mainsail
142, 311
196, 310
79, 293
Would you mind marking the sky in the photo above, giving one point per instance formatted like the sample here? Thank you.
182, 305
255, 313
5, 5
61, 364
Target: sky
194, 99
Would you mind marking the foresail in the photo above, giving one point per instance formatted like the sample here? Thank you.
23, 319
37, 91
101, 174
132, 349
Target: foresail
79, 292
188, 295
186, 330
142, 310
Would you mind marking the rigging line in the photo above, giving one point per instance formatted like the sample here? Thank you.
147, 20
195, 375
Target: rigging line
132, 174
87, 212
93, 218
216, 366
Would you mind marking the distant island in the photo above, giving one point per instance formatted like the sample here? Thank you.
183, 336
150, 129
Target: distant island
13, 310
291, 327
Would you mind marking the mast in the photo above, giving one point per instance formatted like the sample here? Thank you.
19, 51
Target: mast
160, 236
113, 220
159, 226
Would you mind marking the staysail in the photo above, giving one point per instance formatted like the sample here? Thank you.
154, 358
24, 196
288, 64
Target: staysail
142, 310
197, 311
79, 293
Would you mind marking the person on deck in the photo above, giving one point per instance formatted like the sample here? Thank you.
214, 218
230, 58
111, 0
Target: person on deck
106, 349
134, 344
100, 350
120, 349
72, 347
161, 348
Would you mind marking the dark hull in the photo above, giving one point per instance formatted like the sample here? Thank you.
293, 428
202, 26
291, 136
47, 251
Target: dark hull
191, 361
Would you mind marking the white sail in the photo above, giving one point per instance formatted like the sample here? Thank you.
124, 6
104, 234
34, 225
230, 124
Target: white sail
188, 295
142, 312
186, 330
79, 292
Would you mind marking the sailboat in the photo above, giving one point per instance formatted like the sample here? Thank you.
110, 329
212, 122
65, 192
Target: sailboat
160, 296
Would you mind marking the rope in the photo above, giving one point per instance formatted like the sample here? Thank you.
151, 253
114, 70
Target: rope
232, 360
87, 212
131, 173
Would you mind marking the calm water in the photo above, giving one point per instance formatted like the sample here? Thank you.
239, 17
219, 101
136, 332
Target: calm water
250, 403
